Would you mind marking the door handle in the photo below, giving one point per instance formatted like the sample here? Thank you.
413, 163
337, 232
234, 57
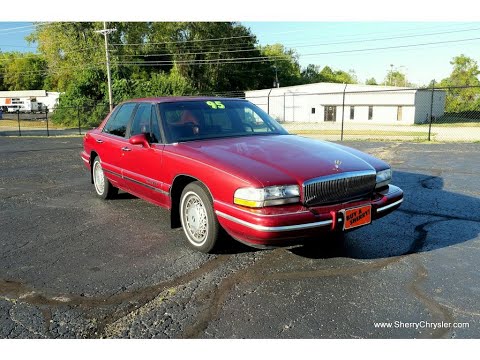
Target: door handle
126, 149
99, 141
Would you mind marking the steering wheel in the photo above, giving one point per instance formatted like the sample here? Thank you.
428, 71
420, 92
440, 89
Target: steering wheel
248, 125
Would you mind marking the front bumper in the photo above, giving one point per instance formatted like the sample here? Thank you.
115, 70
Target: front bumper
279, 225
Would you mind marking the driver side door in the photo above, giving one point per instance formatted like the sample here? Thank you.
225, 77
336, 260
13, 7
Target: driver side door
142, 166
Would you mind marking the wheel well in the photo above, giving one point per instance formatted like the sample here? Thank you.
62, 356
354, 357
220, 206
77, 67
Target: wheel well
175, 192
93, 155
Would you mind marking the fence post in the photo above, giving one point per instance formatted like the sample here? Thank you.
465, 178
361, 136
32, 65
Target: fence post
343, 111
18, 120
78, 117
431, 112
268, 102
293, 100
46, 118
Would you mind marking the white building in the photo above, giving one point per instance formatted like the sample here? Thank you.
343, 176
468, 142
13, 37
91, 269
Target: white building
23, 99
361, 103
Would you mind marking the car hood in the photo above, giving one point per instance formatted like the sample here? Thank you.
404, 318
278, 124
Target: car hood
280, 159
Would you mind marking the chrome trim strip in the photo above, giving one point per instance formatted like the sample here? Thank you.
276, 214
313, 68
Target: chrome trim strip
389, 206
137, 182
86, 160
344, 175
274, 228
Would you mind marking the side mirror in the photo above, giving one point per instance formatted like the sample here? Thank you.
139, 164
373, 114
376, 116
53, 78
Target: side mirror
140, 139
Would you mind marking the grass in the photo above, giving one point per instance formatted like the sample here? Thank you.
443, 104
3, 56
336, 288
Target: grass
452, 125
32, 124
359, 132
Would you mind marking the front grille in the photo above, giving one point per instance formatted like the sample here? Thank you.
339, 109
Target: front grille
338, 187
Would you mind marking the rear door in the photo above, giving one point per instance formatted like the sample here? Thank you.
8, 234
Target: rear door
110, 143
142, 166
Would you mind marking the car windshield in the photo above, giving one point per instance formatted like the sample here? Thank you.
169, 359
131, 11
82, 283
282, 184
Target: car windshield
208, 119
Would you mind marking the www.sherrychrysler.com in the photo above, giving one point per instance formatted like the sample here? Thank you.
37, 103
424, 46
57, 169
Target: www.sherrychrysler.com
421, 325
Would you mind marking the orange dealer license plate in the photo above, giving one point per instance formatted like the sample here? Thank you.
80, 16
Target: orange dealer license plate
356, 217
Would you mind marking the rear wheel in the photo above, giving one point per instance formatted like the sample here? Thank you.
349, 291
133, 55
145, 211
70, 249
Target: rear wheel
198, 219
103, 188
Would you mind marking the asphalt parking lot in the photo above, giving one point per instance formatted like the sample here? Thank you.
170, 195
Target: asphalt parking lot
73, 266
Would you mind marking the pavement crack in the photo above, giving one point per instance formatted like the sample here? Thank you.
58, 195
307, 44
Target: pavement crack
445, 216
440, 312
258, 272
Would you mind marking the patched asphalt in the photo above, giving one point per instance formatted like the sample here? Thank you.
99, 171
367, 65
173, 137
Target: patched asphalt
74, 266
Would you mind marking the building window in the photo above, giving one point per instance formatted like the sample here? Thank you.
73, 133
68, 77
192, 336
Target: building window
352, 112
399, 113
370, 112
330, 113
313, 110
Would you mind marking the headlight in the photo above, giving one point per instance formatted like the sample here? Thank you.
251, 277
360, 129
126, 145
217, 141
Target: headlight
268, 196
383, 178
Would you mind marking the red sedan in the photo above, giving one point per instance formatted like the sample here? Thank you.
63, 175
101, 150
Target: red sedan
217, 162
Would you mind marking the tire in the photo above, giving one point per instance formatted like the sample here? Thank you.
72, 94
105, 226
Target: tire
103, 188
199, 222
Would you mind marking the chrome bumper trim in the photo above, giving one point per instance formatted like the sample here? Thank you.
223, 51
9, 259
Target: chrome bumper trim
274, 228
389, 206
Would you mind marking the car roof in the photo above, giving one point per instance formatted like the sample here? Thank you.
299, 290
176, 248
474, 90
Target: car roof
165, 99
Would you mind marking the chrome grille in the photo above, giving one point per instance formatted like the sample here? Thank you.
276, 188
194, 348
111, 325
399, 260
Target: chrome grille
338, 187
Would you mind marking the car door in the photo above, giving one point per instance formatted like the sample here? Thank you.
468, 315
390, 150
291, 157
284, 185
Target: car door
142, 166
111, 142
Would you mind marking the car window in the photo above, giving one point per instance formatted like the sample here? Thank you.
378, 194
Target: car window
117, 125
141, 120
206, 119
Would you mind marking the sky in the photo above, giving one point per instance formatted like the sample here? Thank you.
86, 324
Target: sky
358, 46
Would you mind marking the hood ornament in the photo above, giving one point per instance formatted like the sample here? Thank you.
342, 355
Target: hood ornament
337, 164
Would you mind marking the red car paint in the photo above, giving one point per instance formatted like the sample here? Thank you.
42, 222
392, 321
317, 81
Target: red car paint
226, 164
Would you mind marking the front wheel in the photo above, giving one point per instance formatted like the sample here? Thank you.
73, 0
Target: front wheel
198, 219
103, 187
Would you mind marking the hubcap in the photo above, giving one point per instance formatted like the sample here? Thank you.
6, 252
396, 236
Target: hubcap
98, 178
195, 219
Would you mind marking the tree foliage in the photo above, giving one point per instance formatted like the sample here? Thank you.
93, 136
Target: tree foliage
313, 74
396, 78
22, 71
465, 73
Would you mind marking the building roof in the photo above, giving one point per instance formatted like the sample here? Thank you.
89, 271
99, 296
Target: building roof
325, 87
23, 93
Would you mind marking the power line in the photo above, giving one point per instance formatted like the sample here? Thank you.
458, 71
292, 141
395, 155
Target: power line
310, 45
284, 57
23, 27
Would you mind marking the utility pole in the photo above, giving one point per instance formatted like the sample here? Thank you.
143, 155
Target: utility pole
105, 33
277, 84
391, 74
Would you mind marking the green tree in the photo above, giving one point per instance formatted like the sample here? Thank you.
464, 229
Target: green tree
337, 76
396, 78
311, 74
465, 73
22, 71
371, 81
286, 63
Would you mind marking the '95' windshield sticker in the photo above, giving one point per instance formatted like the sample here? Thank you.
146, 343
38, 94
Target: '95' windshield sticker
215, 104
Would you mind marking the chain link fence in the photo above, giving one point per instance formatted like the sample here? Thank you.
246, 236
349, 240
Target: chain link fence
61, 121
401, 114
353, 113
